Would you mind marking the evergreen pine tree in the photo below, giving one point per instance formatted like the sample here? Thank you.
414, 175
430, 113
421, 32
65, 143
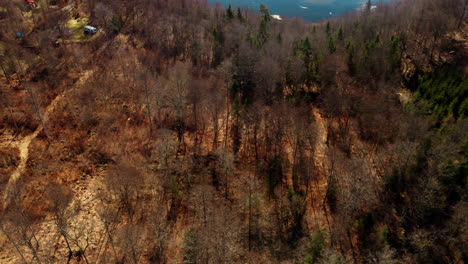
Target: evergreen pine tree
263, 28
350, 51
331, 45
328, 28
395, 52
239, 14
229, 12
340, 35
368, 7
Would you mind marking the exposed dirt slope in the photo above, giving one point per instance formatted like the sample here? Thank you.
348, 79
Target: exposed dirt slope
23, 144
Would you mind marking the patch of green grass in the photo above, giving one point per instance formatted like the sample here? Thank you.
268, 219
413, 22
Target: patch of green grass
76, 27
77, 24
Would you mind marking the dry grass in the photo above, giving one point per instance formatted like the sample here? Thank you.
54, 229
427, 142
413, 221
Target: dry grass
9, 160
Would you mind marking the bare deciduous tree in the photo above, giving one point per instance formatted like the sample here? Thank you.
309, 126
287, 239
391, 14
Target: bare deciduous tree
125, 184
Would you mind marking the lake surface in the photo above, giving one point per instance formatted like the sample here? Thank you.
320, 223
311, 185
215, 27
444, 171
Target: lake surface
310, 10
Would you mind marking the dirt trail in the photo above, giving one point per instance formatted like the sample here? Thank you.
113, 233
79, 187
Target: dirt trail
23, 144
23, 147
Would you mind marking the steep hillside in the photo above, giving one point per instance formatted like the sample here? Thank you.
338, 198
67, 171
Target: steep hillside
181, 132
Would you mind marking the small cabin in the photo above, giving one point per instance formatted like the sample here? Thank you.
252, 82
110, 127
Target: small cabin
90, 30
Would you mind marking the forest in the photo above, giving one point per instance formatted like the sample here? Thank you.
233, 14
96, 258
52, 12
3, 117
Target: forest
184, 132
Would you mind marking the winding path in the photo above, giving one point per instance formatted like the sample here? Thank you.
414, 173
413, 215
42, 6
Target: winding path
23, 144
23, 147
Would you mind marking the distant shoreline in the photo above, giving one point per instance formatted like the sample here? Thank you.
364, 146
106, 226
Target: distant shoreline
309, 11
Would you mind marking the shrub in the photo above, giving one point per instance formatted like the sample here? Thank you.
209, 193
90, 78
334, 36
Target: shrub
365, 226
190, 248
316, 247
117, 23
275, 174
447, 90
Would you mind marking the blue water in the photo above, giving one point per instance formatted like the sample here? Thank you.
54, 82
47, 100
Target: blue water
310, 10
